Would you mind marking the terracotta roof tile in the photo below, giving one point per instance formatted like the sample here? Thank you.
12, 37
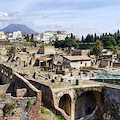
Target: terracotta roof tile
77, 58
44, 58
22, 55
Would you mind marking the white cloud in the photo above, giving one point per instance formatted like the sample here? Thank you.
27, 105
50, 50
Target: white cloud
3, 14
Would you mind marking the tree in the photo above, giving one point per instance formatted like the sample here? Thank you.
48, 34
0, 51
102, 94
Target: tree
118, 39
31, 40
59, 43
109, 42
11, 51
97, 49
82, 38
27, 38
95, 37
72, 36
89, 38
118, 32
115, 36
70, 43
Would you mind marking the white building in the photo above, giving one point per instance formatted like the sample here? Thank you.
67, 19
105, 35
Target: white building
62, 36
50, 36
47, 37
2, 35
17, 35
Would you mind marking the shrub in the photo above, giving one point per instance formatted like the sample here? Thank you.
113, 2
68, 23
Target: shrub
12, 106
13, 112
61, 118
7, 108
28, 104
35, 102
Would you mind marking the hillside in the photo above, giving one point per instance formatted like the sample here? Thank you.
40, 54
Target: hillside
15, 27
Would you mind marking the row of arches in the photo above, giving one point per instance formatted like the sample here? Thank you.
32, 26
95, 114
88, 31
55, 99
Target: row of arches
85, 104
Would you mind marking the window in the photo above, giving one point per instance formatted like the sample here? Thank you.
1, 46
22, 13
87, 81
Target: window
85, 64
81, 62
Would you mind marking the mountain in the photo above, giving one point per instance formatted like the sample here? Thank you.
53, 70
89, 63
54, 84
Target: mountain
15, 27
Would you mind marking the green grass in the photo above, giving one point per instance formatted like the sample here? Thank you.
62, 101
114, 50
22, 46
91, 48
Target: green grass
43, 111
8, 43
60, 117
43, 71
26, 44
28, 72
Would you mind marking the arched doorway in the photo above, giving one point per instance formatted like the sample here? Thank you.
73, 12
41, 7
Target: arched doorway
65, 104
86, 103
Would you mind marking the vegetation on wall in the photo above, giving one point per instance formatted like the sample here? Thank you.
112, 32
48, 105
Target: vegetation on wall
8, 108
28, 104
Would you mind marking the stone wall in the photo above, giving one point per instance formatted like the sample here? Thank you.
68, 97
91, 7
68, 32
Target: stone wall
21, 112
15, 83
3, 90
47, 97
112, 103
21, 83
116, 64
49, 50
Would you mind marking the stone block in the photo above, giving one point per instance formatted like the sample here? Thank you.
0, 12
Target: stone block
21, 92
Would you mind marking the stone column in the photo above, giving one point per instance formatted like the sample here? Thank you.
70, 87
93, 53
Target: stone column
73, 110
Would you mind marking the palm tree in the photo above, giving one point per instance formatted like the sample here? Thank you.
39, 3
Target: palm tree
97, 49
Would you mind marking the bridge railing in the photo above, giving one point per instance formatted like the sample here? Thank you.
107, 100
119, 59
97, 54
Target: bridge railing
113, 78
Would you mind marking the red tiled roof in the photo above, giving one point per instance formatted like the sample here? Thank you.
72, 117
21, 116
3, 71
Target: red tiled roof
21, 55
44, 58
77, 58
118, 52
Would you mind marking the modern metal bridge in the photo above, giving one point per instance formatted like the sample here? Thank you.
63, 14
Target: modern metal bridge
107, 77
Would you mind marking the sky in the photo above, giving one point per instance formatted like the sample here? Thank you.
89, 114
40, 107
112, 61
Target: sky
73, 16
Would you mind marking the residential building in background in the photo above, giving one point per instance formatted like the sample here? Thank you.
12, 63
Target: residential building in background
49, 36
46, 37
16, 35
2, 35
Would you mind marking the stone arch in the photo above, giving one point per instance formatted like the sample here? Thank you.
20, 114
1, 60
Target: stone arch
65, 103
86, 103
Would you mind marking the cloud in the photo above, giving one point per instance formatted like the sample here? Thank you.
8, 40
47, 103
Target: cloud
45, 16
78, 16
13, 13
3, 14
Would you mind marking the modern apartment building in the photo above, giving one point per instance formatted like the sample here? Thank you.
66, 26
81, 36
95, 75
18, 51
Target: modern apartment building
49, 36
16, 35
